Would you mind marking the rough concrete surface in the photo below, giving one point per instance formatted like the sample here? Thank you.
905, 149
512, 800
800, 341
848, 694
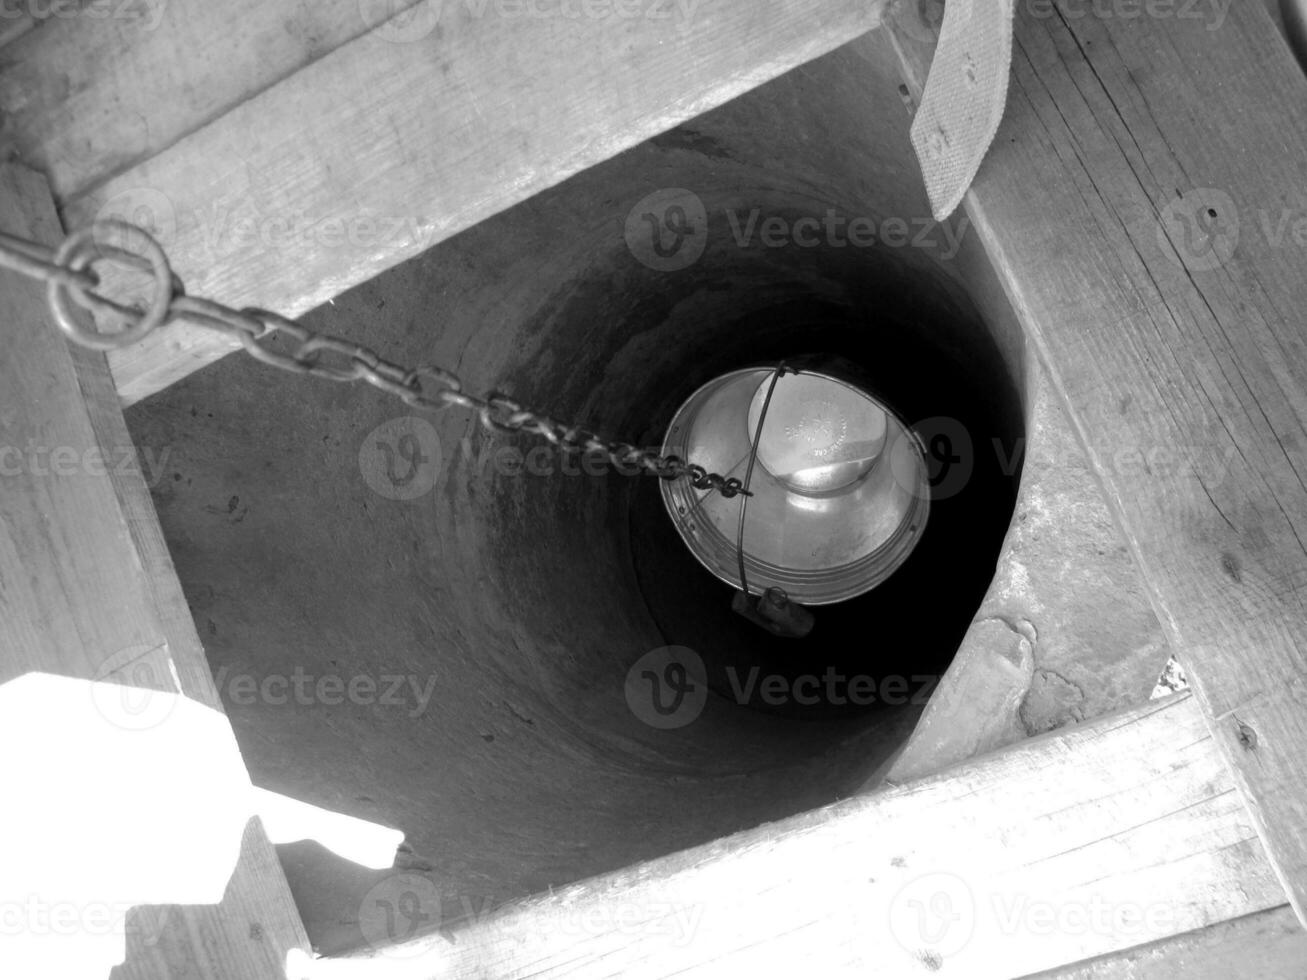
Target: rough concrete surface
1065, 633
325, 531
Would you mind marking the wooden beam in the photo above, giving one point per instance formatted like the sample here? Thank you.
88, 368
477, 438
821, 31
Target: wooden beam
1063, 847
396, 139
1145, 207
88, 587
96, 91
1268, 945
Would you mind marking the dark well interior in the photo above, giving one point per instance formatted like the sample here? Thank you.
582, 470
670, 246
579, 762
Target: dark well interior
525, 599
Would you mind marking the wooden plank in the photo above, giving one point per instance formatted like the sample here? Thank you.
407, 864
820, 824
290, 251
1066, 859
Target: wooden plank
97, 90
1063, 847
244, 937
81, 600
1268, 945
379, 149
1141, 204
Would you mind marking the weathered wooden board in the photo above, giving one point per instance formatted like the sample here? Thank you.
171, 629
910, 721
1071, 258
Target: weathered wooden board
1146, 207
1269, 945
101, 87
89, 592
1064, 847
316, 179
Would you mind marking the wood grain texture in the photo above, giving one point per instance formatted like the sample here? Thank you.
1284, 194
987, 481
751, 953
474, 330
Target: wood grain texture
74, 595
1268, 945
398, 138
1141, 204
101, 88
992, 869
89, 591
1123, 143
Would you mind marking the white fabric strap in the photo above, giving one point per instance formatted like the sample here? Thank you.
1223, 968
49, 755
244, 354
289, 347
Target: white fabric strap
964, 98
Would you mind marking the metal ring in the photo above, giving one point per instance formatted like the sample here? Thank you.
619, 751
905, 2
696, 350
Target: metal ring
71, 255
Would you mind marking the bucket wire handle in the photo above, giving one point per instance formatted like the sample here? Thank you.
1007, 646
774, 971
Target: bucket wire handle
781, 369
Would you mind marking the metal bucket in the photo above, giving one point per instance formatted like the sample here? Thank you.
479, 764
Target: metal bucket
840, 495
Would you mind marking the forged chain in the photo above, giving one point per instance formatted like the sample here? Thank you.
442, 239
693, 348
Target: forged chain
71, 281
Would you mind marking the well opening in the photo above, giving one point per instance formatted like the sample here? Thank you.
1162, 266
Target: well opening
513, 598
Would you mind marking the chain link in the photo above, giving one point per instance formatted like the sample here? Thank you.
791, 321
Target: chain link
72, 284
